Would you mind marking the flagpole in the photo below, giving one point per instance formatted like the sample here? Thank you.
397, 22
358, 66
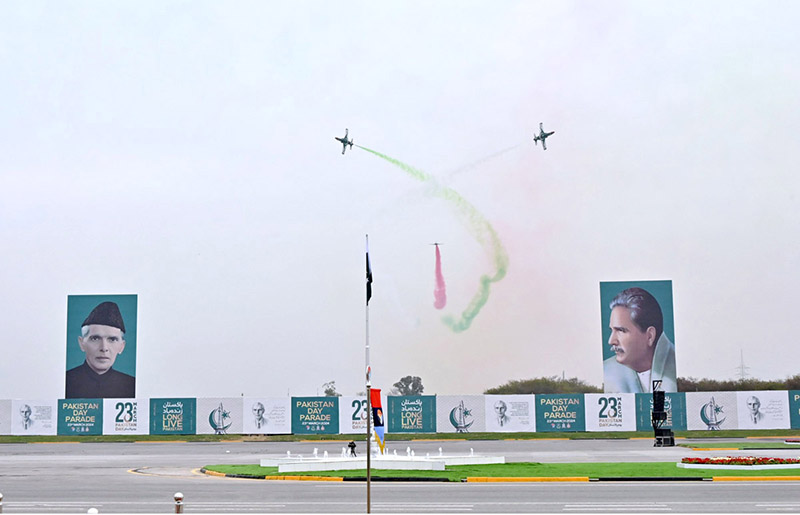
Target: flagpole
369, 379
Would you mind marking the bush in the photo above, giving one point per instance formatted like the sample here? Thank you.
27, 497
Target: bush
544, 385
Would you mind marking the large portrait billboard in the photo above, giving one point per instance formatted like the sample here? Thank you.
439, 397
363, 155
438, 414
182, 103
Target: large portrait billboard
509, 413
560, 412
610, 412
33, 417
638, 331
267, 415
315, 415
763, 409
412, 413
460, 413
101, 346
126, 416
217, 416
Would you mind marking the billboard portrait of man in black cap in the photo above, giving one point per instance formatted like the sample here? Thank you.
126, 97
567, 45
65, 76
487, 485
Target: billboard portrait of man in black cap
102, 341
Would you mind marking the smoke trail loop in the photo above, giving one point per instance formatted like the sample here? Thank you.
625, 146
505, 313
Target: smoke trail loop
481, 230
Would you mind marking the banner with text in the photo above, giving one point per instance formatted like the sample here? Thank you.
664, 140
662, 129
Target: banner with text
711, 411
610, 412
126, 416
460, 413
315, 415
172, 416
411, 413
509, 413
766, 409
353, 414
80, 417
560, 412
794, 408
674, 405
33, 417
219, 416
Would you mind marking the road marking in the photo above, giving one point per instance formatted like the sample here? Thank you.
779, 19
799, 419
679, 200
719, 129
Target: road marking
160, 441
609, 505
526, 479
422, 507
756, 478
616, 509
66, 441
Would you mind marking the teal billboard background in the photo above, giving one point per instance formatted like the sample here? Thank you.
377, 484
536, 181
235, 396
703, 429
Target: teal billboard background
674, 405
79, 307
315, 415
564, 412
661, 290
80, 417
173, 416
794, 408
412, 413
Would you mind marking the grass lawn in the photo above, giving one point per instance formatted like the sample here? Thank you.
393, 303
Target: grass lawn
459, 472
778, 444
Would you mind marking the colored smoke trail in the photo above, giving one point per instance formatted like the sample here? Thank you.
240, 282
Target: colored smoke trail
439, 293
480, 228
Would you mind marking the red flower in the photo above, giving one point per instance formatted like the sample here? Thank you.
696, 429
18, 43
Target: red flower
741, 460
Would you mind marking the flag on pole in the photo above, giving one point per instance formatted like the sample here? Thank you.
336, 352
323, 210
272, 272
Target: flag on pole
377, 416
369, 276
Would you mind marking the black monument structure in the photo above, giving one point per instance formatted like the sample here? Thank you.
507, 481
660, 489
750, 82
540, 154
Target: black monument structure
664, 436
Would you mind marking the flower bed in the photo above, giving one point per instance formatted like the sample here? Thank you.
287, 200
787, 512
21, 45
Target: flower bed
740, 462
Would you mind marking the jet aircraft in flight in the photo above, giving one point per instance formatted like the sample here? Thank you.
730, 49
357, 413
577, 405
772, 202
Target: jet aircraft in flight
542, 136
345, 141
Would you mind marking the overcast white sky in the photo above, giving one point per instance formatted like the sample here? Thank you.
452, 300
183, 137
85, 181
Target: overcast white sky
183, 151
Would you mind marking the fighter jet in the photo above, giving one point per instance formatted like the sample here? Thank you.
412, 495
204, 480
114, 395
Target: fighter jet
542, 136
345, 141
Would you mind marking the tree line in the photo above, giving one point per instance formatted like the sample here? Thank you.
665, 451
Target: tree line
412, 385
555, 384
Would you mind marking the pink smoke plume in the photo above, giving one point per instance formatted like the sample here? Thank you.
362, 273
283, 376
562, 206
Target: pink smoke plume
439, 294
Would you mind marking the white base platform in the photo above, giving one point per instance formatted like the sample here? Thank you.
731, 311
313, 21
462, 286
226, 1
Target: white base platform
379, 462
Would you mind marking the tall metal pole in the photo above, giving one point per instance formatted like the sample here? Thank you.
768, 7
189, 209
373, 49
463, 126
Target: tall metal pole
369, 446
369, 385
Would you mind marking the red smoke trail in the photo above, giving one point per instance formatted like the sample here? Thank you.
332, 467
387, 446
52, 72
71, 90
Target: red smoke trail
439, 294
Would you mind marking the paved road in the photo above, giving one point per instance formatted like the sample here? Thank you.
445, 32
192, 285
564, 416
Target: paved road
142, 477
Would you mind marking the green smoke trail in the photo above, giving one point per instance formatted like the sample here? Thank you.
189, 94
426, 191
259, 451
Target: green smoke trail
480, 228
